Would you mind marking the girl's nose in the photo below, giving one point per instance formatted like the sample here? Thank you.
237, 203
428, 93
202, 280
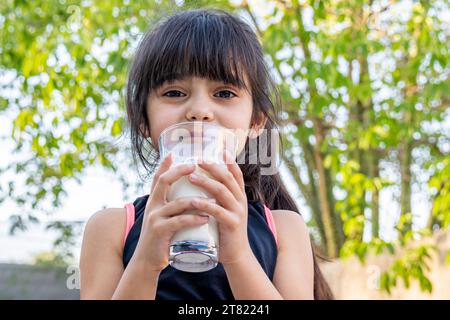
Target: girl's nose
192, 116
199, 110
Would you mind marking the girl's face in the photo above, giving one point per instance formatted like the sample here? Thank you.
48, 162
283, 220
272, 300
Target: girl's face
199, 99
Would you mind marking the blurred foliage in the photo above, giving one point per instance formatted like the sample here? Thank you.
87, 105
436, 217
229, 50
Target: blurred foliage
50, 259
412, 265
366, 111
364, 86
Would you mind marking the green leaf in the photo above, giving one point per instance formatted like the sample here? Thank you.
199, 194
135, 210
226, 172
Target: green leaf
116, 128
328, 161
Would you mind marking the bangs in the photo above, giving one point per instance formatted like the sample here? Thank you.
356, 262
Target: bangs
202, 46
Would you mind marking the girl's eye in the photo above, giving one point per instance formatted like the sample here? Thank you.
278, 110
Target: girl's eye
226, 94
173, 93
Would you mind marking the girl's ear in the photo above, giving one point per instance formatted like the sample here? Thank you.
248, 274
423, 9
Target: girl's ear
257, 129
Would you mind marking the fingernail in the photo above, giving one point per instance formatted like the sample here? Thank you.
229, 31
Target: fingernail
194, 176
211, 200
205, 161
226, 157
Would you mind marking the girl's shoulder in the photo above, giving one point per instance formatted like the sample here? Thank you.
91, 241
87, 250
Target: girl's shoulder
101, 254
286, 216
107, 226
289, 223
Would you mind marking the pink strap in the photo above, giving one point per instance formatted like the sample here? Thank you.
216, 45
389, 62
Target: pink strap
130, 220
271, 222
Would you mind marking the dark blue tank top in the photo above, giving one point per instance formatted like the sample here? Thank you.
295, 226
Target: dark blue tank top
174, 284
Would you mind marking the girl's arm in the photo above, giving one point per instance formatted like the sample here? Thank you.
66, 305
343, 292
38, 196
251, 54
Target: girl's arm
294, 271
101, 268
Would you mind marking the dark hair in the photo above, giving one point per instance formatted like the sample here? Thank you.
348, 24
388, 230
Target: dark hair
217, 45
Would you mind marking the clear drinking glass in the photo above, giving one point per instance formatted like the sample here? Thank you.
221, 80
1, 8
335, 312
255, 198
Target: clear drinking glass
195, 249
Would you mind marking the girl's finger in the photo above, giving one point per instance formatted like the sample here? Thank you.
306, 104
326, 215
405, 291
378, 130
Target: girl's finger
163, 167
182, 221
223, 175
218, 212
233, 167
217, 190
167, 178
177, 207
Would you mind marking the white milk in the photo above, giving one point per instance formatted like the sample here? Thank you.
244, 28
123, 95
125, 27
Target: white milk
207, 232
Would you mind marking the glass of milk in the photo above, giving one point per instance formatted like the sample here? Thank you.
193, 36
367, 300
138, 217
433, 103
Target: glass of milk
195, 249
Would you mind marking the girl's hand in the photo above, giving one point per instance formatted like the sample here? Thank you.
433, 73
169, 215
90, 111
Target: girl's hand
162, 219
230, 211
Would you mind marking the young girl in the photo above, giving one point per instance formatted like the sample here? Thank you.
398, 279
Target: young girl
202, 65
